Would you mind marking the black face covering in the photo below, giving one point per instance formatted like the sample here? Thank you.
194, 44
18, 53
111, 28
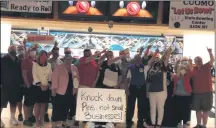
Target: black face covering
157, 65
13, 53
67, 53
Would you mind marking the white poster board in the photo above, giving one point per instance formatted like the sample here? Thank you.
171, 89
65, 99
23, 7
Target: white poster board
101, 105
27, 6
192, 14
5, 37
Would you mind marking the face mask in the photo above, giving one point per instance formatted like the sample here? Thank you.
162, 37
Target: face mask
43, 59
21, 52
182, 72
32, 53
67, 53
13, 53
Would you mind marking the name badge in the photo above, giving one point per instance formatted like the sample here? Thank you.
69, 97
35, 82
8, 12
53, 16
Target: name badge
141, 70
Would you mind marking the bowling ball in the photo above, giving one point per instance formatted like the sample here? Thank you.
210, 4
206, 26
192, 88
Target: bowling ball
177, 25
90, 29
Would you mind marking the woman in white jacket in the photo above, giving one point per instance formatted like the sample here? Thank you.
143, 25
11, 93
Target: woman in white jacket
42, 72
156, 84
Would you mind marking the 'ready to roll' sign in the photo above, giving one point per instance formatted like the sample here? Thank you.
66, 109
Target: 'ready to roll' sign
27, 6
101, 105
192, 14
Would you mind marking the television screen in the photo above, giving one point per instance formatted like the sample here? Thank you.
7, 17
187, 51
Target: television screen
134, 10
82, 9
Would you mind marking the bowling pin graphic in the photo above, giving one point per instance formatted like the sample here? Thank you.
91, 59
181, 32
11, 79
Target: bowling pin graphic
143, 5
121, 4
70, 3
93, 4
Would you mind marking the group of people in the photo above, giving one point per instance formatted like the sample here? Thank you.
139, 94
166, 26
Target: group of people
42, 79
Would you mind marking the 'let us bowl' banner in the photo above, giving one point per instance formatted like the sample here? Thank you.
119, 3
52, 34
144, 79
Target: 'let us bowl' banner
192, 14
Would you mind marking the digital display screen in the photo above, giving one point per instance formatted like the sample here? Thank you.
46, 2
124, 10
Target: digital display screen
133, 10
91, 8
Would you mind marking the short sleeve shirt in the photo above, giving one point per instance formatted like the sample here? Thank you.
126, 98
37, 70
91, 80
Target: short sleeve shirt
202, 82
113, 67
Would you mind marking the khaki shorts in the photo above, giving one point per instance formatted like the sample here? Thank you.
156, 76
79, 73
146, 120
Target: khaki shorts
202, 102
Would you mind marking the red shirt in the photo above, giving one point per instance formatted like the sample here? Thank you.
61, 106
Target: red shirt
27, 64
202, 82
87, 71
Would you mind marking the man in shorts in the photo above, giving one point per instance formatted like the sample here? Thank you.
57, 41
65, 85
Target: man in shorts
11, 79
202, 89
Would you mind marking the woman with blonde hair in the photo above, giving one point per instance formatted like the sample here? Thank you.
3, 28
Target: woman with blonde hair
182, 91
41, 72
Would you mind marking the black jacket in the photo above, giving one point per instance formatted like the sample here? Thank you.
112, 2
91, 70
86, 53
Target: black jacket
11, 74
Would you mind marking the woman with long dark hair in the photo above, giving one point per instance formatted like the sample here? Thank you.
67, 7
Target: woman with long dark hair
41, 72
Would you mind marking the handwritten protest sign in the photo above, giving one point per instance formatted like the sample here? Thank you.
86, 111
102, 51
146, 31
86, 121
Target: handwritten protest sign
101, 105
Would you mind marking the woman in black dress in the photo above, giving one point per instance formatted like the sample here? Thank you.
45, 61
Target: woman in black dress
41, 72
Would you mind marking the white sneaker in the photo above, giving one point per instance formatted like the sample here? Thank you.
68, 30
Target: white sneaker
13, 121
90, 125
2, 125
179, 125
110, 125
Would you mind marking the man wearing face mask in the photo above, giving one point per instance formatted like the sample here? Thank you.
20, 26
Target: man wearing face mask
27, 65
67, 51
135, 81
11, 79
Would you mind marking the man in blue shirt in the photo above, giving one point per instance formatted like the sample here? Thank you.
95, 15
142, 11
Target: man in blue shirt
136, 89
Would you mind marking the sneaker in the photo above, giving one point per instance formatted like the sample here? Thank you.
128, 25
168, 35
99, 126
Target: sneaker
46, 118
110, 125
65, 125
76, 123
179, 125
27, 123
2, 125
140, 125
203, 127
32, 119
13, 121
90, 125
20, 117
186, 125
198, 126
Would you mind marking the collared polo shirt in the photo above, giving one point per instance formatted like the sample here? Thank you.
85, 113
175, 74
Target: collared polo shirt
136, 74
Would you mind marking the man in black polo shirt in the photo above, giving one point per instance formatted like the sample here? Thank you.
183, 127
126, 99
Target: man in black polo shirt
11, 79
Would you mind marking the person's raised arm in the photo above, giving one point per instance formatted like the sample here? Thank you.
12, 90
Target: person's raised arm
147, 51
88, 59
101, 59
166, 56
212, 59
153, 57
115, 59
